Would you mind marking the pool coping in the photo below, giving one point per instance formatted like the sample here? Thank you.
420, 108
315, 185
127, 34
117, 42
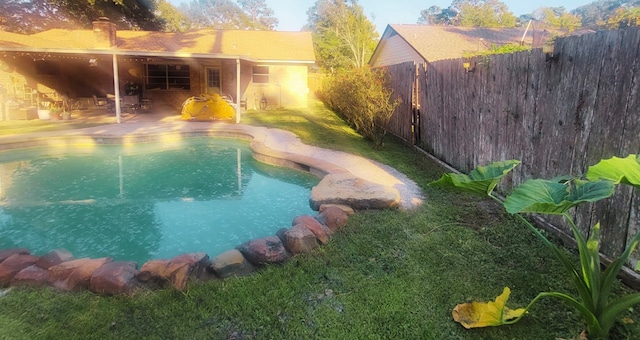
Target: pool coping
132, 133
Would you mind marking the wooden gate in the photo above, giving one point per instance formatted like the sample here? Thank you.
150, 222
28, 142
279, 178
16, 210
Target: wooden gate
404, 122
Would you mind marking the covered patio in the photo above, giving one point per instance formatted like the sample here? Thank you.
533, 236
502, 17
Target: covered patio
143, 69
95, 81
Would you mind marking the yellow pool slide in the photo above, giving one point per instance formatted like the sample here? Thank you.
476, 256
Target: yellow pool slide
207, 107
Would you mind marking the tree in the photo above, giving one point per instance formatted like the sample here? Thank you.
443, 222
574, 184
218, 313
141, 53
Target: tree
343, 36
435, 15
484, 13
20, 17
558, 17
430, 16
37, 15
524, 19
218, 14
173, 19
259, 13
226, 14
624, 17
603, 13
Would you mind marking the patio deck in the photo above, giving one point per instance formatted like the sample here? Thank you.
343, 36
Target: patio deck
98, 114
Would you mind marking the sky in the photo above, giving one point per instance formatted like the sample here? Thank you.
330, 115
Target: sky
292, 14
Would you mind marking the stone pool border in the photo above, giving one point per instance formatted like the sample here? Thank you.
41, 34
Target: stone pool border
337, 195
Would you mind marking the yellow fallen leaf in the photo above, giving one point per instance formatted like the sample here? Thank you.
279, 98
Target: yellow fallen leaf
484, 314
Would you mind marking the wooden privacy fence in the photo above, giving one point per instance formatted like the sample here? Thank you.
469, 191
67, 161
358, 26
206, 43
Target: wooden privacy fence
558, 114
403, 79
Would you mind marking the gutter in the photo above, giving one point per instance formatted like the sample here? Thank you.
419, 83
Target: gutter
127, 53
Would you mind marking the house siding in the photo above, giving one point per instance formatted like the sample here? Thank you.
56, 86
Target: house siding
394, 50
287, 87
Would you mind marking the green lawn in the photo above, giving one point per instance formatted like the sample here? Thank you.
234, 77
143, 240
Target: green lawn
14, 127
386, 275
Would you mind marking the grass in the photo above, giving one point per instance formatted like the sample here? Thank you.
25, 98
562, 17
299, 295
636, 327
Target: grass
15, 127
387, 274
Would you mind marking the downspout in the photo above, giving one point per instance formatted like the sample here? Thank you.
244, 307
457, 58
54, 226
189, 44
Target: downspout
238, 108
116, 87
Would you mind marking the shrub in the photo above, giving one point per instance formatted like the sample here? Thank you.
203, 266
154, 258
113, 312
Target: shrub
363, 99
499, 49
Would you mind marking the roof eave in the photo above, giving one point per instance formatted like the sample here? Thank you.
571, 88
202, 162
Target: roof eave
127, 52
280, 61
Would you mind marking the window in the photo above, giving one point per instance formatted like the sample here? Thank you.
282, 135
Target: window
168, 77
261, 74
213, 77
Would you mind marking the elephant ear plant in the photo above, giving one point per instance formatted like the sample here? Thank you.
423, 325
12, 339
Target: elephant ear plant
557, 197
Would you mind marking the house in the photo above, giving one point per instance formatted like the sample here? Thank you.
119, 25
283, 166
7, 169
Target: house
421, 43
256, 69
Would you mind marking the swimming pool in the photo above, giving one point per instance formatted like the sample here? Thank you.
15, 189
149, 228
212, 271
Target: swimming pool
146, 201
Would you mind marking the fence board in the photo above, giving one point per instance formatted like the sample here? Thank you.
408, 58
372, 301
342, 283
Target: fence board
402, 77
557, 116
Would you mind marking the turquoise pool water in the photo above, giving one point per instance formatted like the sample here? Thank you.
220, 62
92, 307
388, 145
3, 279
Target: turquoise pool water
147, 201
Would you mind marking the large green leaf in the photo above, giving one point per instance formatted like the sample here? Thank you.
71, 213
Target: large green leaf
481, 180
549, 197
610, 274
619, 170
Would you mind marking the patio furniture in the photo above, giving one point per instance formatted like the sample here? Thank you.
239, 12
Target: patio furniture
111, 102
15, 112
146, 104
131, 102
99, 101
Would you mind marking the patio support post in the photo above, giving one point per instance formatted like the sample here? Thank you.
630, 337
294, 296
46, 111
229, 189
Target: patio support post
238, 79
116, 87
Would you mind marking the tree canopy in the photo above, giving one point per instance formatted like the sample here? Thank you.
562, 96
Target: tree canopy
624, 17
33, 16
37, 15
227, 14
484, 13
481, 13
435, 15
343, 35
600, 14
558, 17
259, 13
609, 14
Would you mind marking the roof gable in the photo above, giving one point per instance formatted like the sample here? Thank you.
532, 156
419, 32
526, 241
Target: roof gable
448, 42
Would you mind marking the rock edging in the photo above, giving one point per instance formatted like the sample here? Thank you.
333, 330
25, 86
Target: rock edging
58, 268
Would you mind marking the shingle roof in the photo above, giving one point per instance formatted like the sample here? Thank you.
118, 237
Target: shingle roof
448, 42
258, 45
